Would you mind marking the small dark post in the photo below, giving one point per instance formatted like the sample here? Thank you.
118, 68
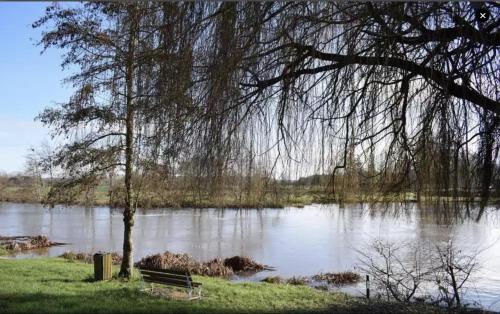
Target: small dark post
102, 266
368, 286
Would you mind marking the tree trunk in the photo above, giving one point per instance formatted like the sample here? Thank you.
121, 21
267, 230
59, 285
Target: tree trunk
487, 143
128, 214
456, 292
456, 170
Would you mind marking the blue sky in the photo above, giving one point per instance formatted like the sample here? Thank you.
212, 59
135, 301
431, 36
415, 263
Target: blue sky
29, 82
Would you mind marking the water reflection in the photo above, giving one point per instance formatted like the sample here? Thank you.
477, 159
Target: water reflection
317, 238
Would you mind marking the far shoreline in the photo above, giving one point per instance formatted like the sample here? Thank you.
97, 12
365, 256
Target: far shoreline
270, 205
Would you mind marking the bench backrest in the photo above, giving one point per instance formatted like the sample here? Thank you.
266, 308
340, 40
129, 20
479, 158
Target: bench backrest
169, 277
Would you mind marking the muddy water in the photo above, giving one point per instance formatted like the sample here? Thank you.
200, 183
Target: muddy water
297, 241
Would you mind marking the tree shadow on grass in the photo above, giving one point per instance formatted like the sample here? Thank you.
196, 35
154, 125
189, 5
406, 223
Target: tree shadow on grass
88, 279
357, 305
59, 280
118, 300
121, 301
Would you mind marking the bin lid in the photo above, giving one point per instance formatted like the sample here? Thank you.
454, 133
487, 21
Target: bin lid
100, 253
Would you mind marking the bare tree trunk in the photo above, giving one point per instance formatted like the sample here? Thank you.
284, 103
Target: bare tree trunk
250, 168
456, 170
487, 140
128, 214
456, 291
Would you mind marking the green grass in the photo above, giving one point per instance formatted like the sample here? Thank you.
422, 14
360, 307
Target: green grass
4, 251
54, 285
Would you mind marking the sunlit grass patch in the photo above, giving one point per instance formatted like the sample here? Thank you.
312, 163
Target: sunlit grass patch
55, 285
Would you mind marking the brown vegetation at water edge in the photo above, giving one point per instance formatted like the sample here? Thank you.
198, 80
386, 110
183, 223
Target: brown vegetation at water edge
21, 243
346, 277
116, 258
216, 267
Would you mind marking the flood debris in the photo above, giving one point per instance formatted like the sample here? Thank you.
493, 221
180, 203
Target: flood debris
116, 258
326, 279
169, 260
21, 243
275, 280
185, 262
295, 280
298, 281
216, 267
244, 263
340, 278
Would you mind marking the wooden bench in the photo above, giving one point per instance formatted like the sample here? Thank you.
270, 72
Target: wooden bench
171, 278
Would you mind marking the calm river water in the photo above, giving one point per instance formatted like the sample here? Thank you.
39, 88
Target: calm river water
297, 241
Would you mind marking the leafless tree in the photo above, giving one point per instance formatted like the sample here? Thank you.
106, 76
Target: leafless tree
406, 271
117, 118
453, 269
399, 269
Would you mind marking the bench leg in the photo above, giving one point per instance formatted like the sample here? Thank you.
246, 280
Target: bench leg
190, 294
142, 288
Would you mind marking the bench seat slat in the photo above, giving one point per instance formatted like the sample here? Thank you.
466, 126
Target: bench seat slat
167, 280
158, 270
164, 275
164, 272
165, 283
193, 285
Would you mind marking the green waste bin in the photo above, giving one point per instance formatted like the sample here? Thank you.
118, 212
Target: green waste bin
102, 266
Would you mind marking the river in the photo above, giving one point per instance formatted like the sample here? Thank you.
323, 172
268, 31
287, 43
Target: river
297, 241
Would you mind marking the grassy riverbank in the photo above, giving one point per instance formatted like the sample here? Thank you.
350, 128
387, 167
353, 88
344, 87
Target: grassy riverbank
287, 197
277, 195
282, 197
54, 285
